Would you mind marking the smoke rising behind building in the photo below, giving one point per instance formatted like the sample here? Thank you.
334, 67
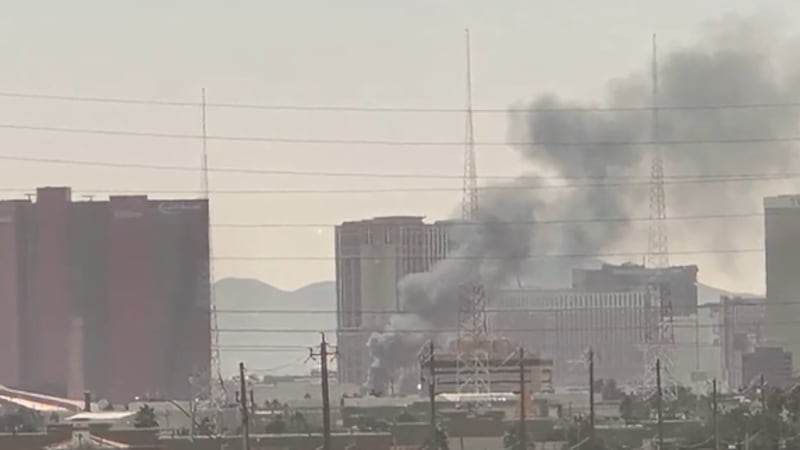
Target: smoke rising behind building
495, 244
733, 64
606, 144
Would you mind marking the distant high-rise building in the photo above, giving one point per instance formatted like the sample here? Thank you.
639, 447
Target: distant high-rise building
680, 281
124, 279
742, 323
562, 325
782, 244
773, 363
372, 256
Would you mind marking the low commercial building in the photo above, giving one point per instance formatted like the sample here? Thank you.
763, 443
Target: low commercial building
504, 369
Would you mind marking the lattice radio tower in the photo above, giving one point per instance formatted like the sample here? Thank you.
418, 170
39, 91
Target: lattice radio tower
657, 241
473, 355
660, 333
216, 385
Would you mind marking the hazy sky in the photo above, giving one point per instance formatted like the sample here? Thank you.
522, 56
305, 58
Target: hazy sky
371, 53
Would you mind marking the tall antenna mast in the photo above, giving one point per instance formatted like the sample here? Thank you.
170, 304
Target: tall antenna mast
216, 386
469, 200
472, 346
657, 240
660, 333
204, 186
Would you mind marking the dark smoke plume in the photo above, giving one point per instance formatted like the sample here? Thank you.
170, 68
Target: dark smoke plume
732, 64
495, 245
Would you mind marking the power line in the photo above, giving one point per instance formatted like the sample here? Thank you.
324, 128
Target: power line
79, 162
675, 345
263, 347
721, 251
259, 350
440, 330
742, 302
397, 143
532, 223
490, 310
426, 189
242, 170
397, 109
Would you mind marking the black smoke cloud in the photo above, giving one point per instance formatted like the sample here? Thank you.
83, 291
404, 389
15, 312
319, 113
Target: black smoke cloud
732, 64
495, 245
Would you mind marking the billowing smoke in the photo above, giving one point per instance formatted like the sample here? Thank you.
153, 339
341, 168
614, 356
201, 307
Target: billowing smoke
495, 245
734, 63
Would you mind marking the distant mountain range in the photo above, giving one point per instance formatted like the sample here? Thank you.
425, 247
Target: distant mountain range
255, 306
248, 304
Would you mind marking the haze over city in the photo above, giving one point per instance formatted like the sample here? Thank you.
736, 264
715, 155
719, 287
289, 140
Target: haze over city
353, 53
369, 225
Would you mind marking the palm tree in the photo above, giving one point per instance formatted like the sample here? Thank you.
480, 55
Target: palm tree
145, 418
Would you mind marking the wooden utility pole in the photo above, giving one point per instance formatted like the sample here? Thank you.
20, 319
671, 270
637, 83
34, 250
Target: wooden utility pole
763, 392
192, 408
326, 404
715, 413
523, 400
591, 394
245, 410
252, 401
432, 396
659, 406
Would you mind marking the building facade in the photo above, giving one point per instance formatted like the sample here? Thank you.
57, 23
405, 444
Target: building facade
13, 286
110, 296
742, 332
680, 282
782, 247
697, 352
372, 256
772, 363
503, 368
562, 325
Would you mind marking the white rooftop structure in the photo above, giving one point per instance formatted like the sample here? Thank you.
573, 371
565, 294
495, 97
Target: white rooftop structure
100, 417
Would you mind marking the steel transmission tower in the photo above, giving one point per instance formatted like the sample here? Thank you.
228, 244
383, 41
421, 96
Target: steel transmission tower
660, 333
472, 346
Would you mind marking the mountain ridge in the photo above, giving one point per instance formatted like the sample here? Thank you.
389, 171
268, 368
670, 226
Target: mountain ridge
298, 315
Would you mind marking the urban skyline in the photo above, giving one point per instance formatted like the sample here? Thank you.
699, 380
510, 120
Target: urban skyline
575, 226
503, 77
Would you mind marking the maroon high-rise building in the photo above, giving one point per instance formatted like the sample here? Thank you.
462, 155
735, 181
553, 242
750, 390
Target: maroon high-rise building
48, 306
13, 286
126, 280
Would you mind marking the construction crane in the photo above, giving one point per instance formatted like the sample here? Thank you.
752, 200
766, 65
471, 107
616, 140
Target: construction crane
473, 345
